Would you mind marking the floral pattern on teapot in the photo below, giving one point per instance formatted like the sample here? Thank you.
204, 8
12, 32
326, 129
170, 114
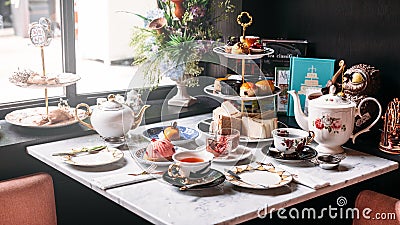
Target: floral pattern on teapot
332, 124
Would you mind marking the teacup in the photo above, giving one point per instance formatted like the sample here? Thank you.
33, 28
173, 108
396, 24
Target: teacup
290, 140
191, 165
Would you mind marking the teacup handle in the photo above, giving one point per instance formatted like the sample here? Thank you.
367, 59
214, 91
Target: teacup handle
88, 112
311, 136
173, 170
354, 136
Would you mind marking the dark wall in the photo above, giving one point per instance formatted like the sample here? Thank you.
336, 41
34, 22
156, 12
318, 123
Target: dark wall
354, 30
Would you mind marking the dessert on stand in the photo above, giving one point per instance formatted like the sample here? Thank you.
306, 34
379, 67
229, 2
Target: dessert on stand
257, 123
40, 34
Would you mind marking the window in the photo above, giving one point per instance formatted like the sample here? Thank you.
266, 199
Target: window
91, 39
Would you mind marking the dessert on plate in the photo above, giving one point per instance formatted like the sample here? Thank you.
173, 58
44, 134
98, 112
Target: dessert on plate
29, 77
172, 132
252, 125
159, 150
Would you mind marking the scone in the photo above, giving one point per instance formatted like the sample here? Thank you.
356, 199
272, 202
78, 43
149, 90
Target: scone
265, 87
248, 89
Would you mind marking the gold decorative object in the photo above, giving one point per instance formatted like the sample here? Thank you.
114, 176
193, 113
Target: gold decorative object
390, 137
243, 24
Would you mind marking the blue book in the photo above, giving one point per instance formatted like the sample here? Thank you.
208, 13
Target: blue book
308, 75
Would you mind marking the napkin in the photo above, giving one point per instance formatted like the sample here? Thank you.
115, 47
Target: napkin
118, 180
306, 179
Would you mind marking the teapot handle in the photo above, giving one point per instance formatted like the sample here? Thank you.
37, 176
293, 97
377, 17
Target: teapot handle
354, 136
88, 112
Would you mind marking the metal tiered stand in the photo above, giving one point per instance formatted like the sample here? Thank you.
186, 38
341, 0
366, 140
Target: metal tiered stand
41, 34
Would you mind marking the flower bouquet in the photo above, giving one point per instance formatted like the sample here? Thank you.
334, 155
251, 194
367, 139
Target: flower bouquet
175, 38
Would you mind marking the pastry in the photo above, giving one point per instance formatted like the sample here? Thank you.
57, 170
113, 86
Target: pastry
172, 132
265, 87
217, 84
248, 89
230, 43
56, 116
159, 151
240, 48
36, 79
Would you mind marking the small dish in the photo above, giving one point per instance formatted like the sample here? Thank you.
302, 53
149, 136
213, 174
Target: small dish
180, 182
328, 162
187, 134
307, 153
239, 154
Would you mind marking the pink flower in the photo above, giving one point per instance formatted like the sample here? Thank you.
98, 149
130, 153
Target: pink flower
337, 124
319, 124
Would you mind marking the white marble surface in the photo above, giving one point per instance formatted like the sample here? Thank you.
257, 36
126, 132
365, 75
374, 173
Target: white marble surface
161, 203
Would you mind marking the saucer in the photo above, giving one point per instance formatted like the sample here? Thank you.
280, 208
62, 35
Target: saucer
179, 182
307, 154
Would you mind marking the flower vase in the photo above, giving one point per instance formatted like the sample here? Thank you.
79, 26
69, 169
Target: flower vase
179, 10
182, 98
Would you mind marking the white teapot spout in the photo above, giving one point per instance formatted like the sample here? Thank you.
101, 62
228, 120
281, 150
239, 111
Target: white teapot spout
301, 118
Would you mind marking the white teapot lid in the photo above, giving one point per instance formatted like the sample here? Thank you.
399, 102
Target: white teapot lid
111, 104
331, 101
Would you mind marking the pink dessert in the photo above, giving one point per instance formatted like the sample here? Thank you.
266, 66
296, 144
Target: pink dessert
159, 150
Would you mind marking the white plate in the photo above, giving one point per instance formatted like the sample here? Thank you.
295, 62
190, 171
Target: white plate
204, 127
221, 51
269, 176
240, 154
27, 117
103, 157
139, 153
65, 79
209, 89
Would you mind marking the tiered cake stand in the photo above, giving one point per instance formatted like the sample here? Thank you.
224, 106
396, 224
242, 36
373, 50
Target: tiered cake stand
221, 51
41, 34
28, 117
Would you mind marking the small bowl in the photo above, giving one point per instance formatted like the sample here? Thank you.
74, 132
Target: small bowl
328, 162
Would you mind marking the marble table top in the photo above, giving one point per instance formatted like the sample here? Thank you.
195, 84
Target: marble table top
161, 203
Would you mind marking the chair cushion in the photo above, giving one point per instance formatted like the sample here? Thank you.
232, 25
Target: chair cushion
28, 200
382, 206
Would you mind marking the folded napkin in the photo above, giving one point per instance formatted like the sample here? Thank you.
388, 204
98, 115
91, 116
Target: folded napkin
306, 179
117, 180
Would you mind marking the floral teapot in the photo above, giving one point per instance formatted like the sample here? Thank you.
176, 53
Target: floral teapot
111, 119
332, 119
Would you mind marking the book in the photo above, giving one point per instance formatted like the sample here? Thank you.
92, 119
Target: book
308, 75
282, 77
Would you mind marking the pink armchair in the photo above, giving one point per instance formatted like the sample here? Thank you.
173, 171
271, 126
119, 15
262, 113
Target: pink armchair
28, 200
385, 210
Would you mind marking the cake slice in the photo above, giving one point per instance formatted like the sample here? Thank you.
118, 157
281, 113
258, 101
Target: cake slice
226, 116
258, 128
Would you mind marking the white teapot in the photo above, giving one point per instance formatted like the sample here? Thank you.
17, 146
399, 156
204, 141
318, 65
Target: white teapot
332, 119
111, 119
